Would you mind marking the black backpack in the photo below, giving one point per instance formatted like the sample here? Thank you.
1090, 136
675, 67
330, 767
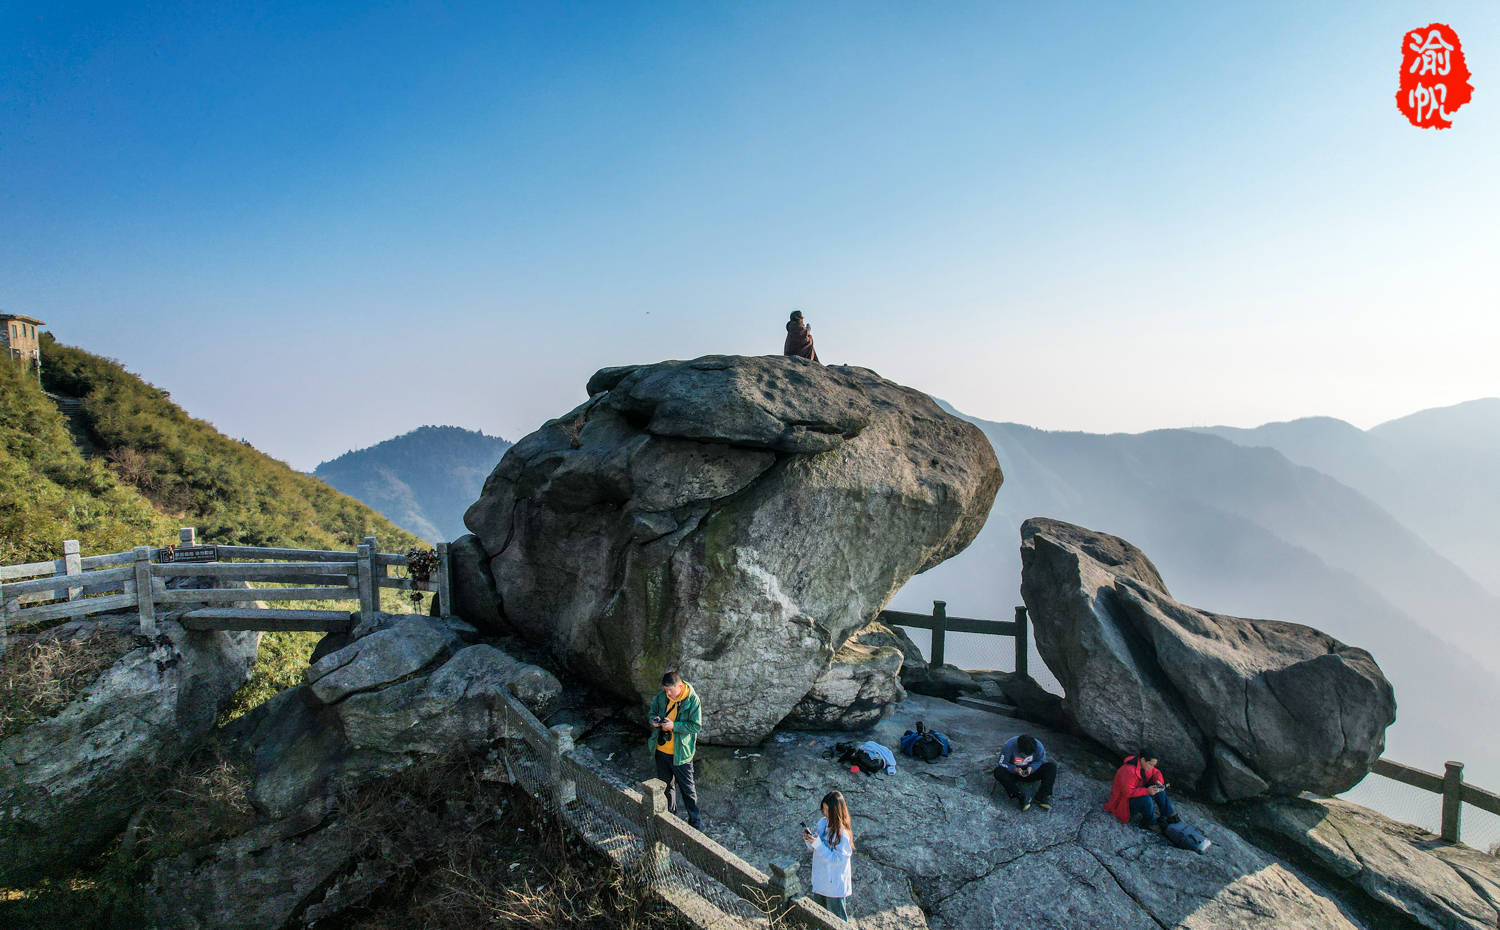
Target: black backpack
868, 762
922, 744
927, 747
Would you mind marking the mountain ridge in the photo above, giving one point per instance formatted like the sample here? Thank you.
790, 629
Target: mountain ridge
423, 480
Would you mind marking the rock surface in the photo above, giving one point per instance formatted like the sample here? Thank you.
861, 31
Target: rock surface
857, 691
69, 782
936, 847
735, 518
1237, 707
1409, 870
473, 591
409, 691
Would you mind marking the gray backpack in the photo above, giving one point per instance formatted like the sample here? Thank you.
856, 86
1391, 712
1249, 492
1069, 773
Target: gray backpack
1186, 836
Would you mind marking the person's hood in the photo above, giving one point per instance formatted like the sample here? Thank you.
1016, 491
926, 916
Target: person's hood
798, 324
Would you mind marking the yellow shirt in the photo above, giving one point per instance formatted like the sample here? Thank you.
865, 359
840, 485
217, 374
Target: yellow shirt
671, 715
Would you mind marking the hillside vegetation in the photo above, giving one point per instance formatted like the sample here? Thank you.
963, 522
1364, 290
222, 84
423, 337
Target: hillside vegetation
423, 480
193, 474
50, 492
150, 469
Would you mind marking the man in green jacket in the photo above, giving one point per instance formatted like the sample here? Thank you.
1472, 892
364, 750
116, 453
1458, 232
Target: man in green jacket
676, 719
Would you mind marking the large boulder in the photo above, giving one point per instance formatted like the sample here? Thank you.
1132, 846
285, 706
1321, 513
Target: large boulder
405, 696
409, 688
70, 781
856, 692
737, 519
1238, 707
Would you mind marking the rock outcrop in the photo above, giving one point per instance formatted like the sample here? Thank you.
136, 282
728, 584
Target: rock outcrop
403, 691
856, 692
1405, 869
1237, 707
69, 782
474, 596
735, 518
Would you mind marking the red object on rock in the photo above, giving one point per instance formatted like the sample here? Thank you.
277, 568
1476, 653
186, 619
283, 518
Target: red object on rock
853, 770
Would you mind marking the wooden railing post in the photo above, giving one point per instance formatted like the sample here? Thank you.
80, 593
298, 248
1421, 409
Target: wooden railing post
939, 630
72, 565
1022, 638
564, 789
655, 855
143, 601
444, 581
366, 581
377, 571
1453, 801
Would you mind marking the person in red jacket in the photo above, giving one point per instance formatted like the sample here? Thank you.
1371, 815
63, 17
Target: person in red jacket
1139, 791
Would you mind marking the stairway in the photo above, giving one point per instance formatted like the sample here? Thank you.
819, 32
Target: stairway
72, 410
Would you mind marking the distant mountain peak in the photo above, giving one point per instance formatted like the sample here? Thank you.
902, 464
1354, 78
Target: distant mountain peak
422, 480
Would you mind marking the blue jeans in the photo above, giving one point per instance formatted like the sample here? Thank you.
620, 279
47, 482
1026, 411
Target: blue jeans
835, 906
1151, 809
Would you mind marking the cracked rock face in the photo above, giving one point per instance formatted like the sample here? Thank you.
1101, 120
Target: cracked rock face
1238, 707
69, 782
737, 519
1409, 870
856, 692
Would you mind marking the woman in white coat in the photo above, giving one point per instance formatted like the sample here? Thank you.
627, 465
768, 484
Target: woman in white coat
832, 845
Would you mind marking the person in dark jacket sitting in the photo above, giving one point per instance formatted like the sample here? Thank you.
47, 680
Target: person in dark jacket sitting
799, 340
1024, 759
1139, 792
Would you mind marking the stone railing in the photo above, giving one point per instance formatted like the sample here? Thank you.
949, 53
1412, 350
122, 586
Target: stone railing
78, 586
705, 882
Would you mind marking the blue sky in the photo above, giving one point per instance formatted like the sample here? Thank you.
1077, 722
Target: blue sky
320, 225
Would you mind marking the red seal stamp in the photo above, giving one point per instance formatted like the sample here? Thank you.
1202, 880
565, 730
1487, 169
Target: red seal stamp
1434, 77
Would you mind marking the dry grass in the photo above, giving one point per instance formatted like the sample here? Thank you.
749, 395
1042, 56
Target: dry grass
502, 861
207, 800
42, 674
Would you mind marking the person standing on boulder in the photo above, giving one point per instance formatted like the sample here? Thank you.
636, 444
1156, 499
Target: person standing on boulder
1140, 791
1024, 759
799, 340
832, 845
676, 716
